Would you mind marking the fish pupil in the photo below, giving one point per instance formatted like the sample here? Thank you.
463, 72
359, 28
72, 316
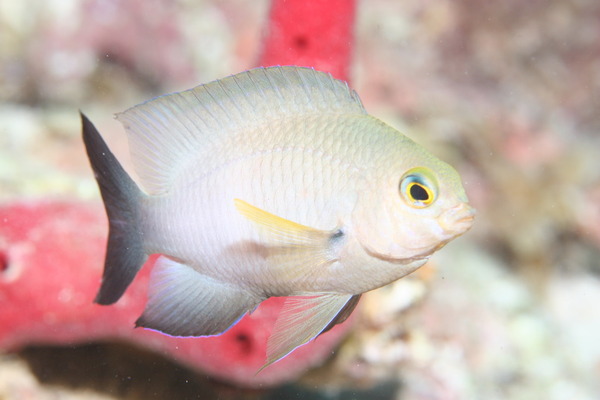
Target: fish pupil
419, 193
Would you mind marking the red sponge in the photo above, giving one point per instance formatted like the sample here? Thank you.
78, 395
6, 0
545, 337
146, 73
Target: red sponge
51, 254
311, 33
51, 257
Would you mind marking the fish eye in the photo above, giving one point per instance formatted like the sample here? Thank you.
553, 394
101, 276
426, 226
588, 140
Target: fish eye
417, 188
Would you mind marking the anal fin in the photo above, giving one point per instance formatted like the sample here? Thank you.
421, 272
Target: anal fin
184, 302
303, 319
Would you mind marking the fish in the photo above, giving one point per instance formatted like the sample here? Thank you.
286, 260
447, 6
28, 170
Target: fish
271, 182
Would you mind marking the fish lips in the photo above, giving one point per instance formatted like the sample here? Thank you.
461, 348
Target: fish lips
457, 220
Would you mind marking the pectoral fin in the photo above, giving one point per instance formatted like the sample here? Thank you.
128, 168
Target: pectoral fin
286, 231
292, 247
301, 320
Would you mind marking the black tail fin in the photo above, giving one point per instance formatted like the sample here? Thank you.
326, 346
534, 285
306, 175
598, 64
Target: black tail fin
125, 253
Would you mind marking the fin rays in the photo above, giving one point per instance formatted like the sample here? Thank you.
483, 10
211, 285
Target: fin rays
183, 302
301, 320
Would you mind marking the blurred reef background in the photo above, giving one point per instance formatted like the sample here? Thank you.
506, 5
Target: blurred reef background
508, 92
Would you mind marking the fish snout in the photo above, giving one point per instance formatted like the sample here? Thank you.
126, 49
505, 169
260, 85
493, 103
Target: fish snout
457, 220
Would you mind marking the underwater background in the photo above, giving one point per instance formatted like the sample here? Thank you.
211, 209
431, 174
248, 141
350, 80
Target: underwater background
507, 92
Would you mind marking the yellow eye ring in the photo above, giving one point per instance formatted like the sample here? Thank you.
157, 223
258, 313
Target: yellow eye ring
417, 188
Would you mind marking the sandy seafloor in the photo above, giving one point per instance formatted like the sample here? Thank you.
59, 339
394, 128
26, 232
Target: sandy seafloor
507, 92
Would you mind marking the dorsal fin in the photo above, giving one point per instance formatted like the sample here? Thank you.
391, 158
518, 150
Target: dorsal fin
164, 132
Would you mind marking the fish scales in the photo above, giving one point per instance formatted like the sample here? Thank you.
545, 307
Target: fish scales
272, 182
252, 173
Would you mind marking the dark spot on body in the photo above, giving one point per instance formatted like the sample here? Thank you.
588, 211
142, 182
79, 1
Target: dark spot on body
337, 236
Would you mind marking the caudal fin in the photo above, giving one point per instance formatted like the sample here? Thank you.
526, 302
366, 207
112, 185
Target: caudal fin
125, 253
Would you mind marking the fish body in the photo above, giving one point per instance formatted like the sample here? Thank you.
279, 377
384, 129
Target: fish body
272, 182
294, 178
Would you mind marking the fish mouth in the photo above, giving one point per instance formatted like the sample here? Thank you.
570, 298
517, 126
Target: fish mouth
457, 220
452, 223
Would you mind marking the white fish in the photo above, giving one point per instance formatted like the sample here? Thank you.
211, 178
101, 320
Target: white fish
272, 182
